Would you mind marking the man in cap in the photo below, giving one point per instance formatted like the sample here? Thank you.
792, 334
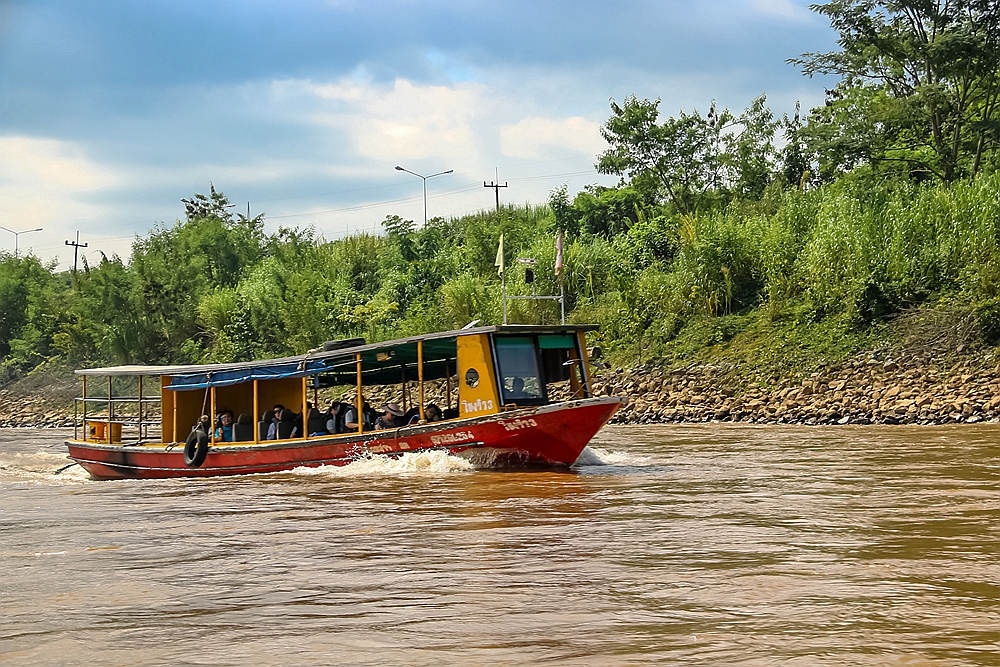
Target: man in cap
391, 417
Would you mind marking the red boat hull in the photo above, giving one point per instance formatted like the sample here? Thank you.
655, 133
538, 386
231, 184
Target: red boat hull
552, 435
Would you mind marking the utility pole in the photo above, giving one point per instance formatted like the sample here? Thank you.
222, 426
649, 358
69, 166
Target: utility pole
76, 248
496, 187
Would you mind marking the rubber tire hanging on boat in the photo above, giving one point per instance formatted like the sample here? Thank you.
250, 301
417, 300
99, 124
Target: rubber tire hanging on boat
195, 448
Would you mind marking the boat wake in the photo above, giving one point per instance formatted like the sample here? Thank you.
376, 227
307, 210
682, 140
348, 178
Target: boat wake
596, 456
40, 467
435, 462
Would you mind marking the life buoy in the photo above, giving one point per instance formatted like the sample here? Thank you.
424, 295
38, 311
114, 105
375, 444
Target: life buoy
195, 448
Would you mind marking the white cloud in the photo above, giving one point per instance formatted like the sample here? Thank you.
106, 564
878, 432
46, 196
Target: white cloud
45, 183
50, 164
535, 137
406, 121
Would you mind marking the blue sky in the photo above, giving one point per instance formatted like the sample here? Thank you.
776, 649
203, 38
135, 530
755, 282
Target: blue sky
111, 112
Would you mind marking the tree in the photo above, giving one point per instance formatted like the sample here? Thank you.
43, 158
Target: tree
696, 160
751, 150
215, 205
919, 83
685, 154
794, 163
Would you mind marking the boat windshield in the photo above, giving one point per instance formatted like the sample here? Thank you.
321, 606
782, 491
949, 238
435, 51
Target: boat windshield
517, 360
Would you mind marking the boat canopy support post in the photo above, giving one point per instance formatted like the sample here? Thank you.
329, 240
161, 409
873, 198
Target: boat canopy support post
140, 408
111, 408
85, 433
420, 375
305, 413
212, 422
174, 401
357, 399
256, 412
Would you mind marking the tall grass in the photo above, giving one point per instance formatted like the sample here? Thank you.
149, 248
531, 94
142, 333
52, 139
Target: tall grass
858, 249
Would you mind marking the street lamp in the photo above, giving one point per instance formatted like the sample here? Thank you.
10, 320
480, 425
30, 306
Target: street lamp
18, 234
424, 179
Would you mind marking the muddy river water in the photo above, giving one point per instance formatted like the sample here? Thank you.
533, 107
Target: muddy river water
694, 545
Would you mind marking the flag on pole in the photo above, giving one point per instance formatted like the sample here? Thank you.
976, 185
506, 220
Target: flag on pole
559, 255
499, 261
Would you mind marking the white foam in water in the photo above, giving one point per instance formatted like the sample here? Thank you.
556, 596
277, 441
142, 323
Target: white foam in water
595, 456
409, 463
40, 467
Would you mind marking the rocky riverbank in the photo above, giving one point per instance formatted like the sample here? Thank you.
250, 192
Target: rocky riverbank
875, 388
20, 408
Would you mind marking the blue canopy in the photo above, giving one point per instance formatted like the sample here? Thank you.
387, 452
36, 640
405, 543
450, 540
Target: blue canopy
225, 377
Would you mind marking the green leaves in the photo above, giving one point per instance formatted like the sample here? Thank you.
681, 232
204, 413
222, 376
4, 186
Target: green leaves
684, 154
919, 85
696, 162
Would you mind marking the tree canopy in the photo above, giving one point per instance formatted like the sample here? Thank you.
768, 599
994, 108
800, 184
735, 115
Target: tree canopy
919, 85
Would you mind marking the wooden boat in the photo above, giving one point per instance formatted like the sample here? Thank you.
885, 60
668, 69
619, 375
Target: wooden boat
495, 421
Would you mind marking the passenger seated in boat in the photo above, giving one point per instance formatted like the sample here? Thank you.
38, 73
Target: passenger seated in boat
432, 413
288, 425
351, 416
369, 415
335, 417
517, 389
316, 423
411, 416
224, 427
272, 429
391, 417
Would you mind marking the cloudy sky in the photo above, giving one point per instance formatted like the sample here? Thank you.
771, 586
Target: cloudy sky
112, 111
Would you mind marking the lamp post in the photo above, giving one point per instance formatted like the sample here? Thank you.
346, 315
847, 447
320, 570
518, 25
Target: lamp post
424, 179
18, 234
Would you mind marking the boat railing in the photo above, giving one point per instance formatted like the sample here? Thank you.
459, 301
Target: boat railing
108, 422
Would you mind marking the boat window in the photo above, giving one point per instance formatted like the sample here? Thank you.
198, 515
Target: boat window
518, 367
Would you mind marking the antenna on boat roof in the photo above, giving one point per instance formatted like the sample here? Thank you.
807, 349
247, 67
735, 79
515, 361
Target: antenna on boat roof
470, 325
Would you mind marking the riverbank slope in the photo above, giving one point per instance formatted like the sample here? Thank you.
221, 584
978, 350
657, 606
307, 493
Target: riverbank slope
927, 365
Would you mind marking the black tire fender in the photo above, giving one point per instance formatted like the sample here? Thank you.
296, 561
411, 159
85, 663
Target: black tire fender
195, 448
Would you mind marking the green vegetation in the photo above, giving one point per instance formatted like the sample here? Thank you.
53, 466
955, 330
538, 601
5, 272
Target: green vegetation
744, 237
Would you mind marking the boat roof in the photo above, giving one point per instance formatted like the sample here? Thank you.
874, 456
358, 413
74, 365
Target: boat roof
437, 349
